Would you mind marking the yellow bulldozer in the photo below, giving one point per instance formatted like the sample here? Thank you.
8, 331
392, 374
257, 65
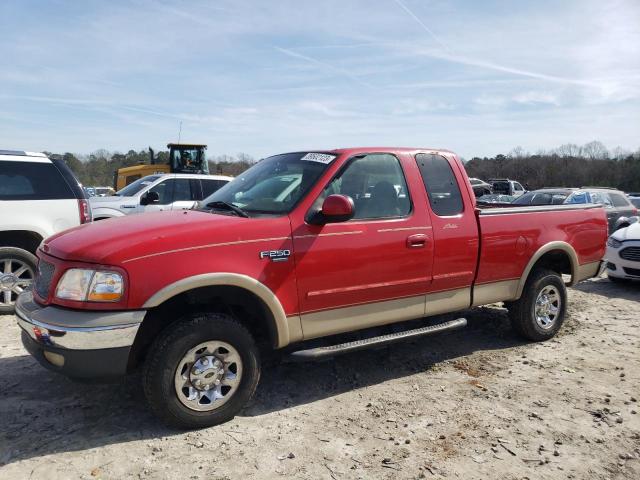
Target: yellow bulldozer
183, 158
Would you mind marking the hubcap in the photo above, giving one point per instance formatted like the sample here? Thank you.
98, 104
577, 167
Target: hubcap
208, 375
15, 277
547, 307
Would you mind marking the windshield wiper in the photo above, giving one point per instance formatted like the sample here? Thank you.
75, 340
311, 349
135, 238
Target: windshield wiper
228, 206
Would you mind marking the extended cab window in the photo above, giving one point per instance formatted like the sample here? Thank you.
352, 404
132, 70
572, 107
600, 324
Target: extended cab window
441, 184
376, 184
31, 180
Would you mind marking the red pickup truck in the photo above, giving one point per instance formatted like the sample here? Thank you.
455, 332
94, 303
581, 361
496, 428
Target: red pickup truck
301, 246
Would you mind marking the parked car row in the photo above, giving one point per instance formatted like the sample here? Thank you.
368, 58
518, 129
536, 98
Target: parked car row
622, 209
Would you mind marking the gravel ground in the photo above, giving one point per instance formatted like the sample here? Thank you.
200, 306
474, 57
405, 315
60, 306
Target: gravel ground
476, 403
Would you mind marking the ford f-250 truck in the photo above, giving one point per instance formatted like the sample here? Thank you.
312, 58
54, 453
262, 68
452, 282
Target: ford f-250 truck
301, 246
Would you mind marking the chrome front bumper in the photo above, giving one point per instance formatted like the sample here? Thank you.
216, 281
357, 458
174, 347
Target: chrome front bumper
76, 329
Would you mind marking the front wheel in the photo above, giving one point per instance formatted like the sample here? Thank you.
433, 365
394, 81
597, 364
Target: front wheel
201, 371
540, 311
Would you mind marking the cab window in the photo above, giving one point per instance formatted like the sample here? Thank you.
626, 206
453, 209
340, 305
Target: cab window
376, 184
441, 184
164, 191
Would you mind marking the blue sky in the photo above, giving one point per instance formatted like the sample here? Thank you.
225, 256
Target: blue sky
267, 76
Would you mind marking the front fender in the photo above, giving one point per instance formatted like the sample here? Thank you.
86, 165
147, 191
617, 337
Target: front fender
287, 329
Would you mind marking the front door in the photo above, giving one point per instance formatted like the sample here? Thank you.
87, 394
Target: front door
375, 268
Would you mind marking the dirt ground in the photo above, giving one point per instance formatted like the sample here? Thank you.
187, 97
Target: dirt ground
476, 403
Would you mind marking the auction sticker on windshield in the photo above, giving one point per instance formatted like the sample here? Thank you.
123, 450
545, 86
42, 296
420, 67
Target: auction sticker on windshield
318, 157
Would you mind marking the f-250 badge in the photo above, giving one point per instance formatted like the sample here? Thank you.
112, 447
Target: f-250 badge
276, 255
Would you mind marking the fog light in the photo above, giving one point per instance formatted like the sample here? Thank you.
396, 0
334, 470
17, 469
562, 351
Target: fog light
611, 266
54, 358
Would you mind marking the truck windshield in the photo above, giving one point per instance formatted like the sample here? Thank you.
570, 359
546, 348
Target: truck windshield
274, 185
133, 188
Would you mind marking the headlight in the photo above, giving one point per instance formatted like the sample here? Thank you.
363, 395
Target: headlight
613, 243
90, 285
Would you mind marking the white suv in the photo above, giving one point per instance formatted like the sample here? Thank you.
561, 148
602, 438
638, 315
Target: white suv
39, 196
171, 191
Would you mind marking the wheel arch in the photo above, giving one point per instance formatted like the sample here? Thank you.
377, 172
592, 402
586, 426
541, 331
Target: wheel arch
557, 256
272, 311
26, 239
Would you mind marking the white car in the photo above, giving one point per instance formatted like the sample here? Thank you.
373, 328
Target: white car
153, 193
39, 197
623, 254
504, 186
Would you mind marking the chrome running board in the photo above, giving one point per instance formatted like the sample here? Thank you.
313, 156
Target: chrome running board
341, 348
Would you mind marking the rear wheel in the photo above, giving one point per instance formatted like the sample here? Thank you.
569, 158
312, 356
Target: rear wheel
540, 311
17, 271
201, 371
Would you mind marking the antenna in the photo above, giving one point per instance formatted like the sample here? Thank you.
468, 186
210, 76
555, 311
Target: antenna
180, 131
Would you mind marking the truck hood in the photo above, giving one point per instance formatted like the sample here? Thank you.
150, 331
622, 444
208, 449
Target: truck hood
110, 242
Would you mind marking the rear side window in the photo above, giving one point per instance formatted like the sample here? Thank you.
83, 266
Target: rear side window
577, 198
182, 190
441, 185
32, 181
600, 198
210, 186
618, 200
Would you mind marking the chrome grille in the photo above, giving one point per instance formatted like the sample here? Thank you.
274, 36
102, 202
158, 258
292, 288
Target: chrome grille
630, 253
43, 278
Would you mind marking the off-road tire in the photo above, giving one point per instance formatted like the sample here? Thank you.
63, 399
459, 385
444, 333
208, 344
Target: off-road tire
521, 311
170, 347
22, 255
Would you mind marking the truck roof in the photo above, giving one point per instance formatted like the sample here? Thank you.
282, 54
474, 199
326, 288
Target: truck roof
359, 150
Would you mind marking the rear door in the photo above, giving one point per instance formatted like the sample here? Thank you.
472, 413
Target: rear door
184, 193
455, 233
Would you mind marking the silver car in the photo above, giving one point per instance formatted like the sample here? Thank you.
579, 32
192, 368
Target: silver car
153, 193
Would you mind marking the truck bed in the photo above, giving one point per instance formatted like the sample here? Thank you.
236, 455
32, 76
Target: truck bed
518, 233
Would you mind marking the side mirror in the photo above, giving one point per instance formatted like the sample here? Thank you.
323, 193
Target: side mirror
150, 198
335, 208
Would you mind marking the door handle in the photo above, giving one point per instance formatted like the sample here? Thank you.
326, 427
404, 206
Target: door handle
419, 240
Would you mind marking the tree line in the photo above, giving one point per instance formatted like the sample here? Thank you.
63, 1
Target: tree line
568, 165
98, 168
